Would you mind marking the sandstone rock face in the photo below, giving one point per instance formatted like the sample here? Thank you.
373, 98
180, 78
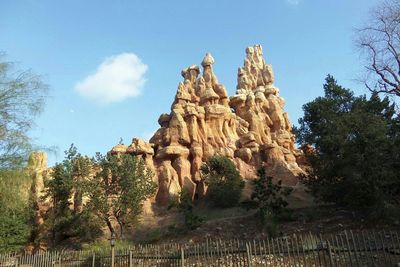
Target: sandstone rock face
250, 127
37, 166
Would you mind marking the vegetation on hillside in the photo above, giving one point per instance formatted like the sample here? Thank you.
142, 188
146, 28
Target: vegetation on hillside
355, 157
224, 181
88, 194
269, 197
185, 206
124, 180
15, 212
356, 161
22, 97
66, 188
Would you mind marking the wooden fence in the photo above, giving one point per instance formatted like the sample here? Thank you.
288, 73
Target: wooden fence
340, 249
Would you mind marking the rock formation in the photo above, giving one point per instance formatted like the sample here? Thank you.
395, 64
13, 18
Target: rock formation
250, 127
37, 165
36, 169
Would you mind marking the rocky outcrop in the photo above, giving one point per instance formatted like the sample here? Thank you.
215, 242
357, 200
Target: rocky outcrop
250, 127
36, 169
37, 166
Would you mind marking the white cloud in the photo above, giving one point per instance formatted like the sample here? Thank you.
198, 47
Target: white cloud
293, 2
117, 78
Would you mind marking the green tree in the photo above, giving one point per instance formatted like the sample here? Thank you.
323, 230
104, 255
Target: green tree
269, 197
224, 181
66, 187
357, 143
185, 206
22, 97
119, 189
15, 214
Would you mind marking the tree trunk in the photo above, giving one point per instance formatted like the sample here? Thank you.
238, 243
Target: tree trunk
109, 225
121, 227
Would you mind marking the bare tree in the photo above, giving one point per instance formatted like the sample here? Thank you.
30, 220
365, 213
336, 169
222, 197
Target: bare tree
379, 43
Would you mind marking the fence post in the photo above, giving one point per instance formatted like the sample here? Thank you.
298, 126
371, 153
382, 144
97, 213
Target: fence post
93, 260
182, 258
329, 253
130, 259
59, 259
248, 255
112, 256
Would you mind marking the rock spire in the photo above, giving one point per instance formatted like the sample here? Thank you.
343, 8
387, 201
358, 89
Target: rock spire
251, 128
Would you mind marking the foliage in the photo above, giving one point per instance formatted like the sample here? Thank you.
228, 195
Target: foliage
185, 206
356, 161
66, 186
270, 198
224, 181
119, 189
379, 43
114, 187
22, 96
15, 214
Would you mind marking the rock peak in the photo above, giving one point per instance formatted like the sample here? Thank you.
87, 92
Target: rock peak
250, 128
208, 60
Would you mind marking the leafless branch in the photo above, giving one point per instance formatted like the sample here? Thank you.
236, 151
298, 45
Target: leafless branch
379, 42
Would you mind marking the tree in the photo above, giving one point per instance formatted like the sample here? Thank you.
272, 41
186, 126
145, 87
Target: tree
356, 141
22, 97
224, 181
15, 212
119, 189
185, 206
66, 187
379, 43
269, 197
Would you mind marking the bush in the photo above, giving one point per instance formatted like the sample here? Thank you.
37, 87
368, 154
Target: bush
270, 198
185, 206
14, 231
224, 181
271, 226
15, 210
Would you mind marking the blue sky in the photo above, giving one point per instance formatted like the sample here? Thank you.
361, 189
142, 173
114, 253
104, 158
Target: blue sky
74, 44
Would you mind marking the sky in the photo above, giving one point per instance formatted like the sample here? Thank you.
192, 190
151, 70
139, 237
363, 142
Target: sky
113, 66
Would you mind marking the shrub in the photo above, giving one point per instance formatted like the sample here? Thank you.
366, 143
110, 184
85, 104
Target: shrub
224, 181
185, 206
15, 210
269, 198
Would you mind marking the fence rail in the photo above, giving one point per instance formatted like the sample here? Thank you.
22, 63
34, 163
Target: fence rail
340, 249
